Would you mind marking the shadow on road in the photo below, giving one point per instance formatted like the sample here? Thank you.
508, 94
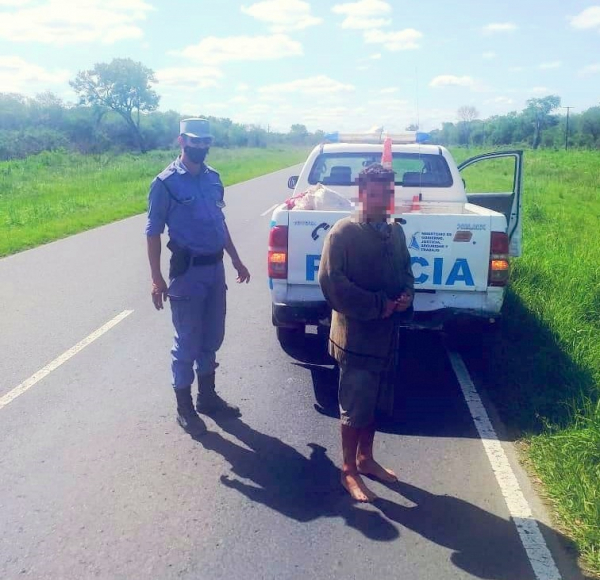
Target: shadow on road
286, 481
428, 401
483, 544
530, 377
306, 489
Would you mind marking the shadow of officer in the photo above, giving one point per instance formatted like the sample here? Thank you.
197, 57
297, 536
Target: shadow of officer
286, 481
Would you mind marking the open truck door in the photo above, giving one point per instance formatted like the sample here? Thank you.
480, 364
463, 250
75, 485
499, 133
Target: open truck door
493, 181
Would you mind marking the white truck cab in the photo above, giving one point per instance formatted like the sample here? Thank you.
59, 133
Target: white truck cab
460, 238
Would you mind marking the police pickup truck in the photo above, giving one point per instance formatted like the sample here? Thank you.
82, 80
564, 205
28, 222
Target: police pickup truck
462, 224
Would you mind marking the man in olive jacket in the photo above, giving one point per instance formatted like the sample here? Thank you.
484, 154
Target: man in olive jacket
366, 277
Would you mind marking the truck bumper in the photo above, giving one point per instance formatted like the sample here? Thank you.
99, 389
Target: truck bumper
300, 314
318, 313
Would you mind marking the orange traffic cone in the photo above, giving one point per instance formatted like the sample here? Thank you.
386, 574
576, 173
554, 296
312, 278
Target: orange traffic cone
416, 206
386, 156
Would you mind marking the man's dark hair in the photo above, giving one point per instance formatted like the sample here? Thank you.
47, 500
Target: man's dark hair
375, 172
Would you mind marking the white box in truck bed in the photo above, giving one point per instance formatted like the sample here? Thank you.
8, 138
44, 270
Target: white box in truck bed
459, 243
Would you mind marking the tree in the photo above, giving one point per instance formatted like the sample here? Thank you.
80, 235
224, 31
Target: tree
590, 123
123, 86
467, 114
298, 133
538, 113
14, 111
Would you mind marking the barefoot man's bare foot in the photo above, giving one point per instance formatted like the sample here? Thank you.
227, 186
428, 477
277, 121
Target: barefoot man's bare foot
372, 468
355, 486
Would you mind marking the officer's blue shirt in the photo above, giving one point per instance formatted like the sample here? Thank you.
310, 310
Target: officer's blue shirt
191, 206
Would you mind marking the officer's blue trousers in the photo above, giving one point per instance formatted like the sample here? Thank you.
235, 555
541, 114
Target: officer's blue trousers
199, 321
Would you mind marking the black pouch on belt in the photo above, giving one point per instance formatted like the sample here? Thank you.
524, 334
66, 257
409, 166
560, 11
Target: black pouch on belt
180, 260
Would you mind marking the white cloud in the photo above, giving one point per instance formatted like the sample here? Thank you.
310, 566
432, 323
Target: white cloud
20, 76
64, 22
550, 65
499, 27
283, 15
452, 81
516, 69
500, 101
590, 69
215, 50
189, 78
402, 40
319, 85
242, 87
540, 90
589, 18
239, 99
489, 55
375, 56
363, 15
389, 91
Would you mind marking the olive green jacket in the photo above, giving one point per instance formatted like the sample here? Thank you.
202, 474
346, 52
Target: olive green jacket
360, 270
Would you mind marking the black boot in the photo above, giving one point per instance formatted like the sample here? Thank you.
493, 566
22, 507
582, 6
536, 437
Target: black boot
209, 403
186, 416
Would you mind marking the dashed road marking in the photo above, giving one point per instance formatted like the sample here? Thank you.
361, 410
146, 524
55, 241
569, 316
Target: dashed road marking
35, 378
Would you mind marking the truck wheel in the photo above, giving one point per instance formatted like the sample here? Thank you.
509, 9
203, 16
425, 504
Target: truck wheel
290, 335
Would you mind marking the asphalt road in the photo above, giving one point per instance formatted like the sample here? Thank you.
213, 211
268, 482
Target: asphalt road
98, 481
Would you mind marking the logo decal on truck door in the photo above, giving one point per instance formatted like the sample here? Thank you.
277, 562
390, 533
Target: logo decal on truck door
315, 233
414, 243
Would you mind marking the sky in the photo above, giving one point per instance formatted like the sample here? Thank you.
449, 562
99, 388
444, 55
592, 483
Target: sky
333, 66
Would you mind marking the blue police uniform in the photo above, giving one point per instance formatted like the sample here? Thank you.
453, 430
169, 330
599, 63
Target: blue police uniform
192, 208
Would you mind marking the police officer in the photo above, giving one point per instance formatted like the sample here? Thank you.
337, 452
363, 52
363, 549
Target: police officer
188, 197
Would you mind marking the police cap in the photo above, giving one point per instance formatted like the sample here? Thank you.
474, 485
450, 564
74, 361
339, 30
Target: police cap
195, 127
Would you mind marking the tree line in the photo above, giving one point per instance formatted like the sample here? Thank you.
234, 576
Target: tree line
539, 124
117, 111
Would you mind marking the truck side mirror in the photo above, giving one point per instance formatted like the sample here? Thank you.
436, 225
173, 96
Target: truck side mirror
292, 181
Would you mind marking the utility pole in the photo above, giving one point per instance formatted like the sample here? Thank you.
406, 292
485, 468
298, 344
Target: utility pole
567, 127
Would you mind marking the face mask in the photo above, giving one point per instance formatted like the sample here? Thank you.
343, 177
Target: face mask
195, 154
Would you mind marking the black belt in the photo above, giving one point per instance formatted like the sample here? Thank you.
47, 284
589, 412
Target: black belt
207, 259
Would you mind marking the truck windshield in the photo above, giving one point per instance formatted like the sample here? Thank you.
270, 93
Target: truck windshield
412, 169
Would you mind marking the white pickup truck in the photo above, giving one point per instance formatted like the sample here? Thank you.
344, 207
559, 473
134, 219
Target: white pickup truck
459, 242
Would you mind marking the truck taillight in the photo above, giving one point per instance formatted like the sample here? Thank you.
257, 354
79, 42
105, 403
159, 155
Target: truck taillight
499, 264
278, 248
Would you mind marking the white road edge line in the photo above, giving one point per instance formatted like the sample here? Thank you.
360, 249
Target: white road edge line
33, 379
535, 546
269, 210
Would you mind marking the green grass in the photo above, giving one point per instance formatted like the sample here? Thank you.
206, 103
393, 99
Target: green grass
52, 195
543, 369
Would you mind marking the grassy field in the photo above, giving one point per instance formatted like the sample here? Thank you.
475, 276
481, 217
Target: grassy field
53, 195
542, 368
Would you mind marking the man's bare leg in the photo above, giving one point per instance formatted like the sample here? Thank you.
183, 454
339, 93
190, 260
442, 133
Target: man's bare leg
350, 478
365, 462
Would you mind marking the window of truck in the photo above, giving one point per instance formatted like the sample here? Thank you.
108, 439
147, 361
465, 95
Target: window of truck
412, 169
